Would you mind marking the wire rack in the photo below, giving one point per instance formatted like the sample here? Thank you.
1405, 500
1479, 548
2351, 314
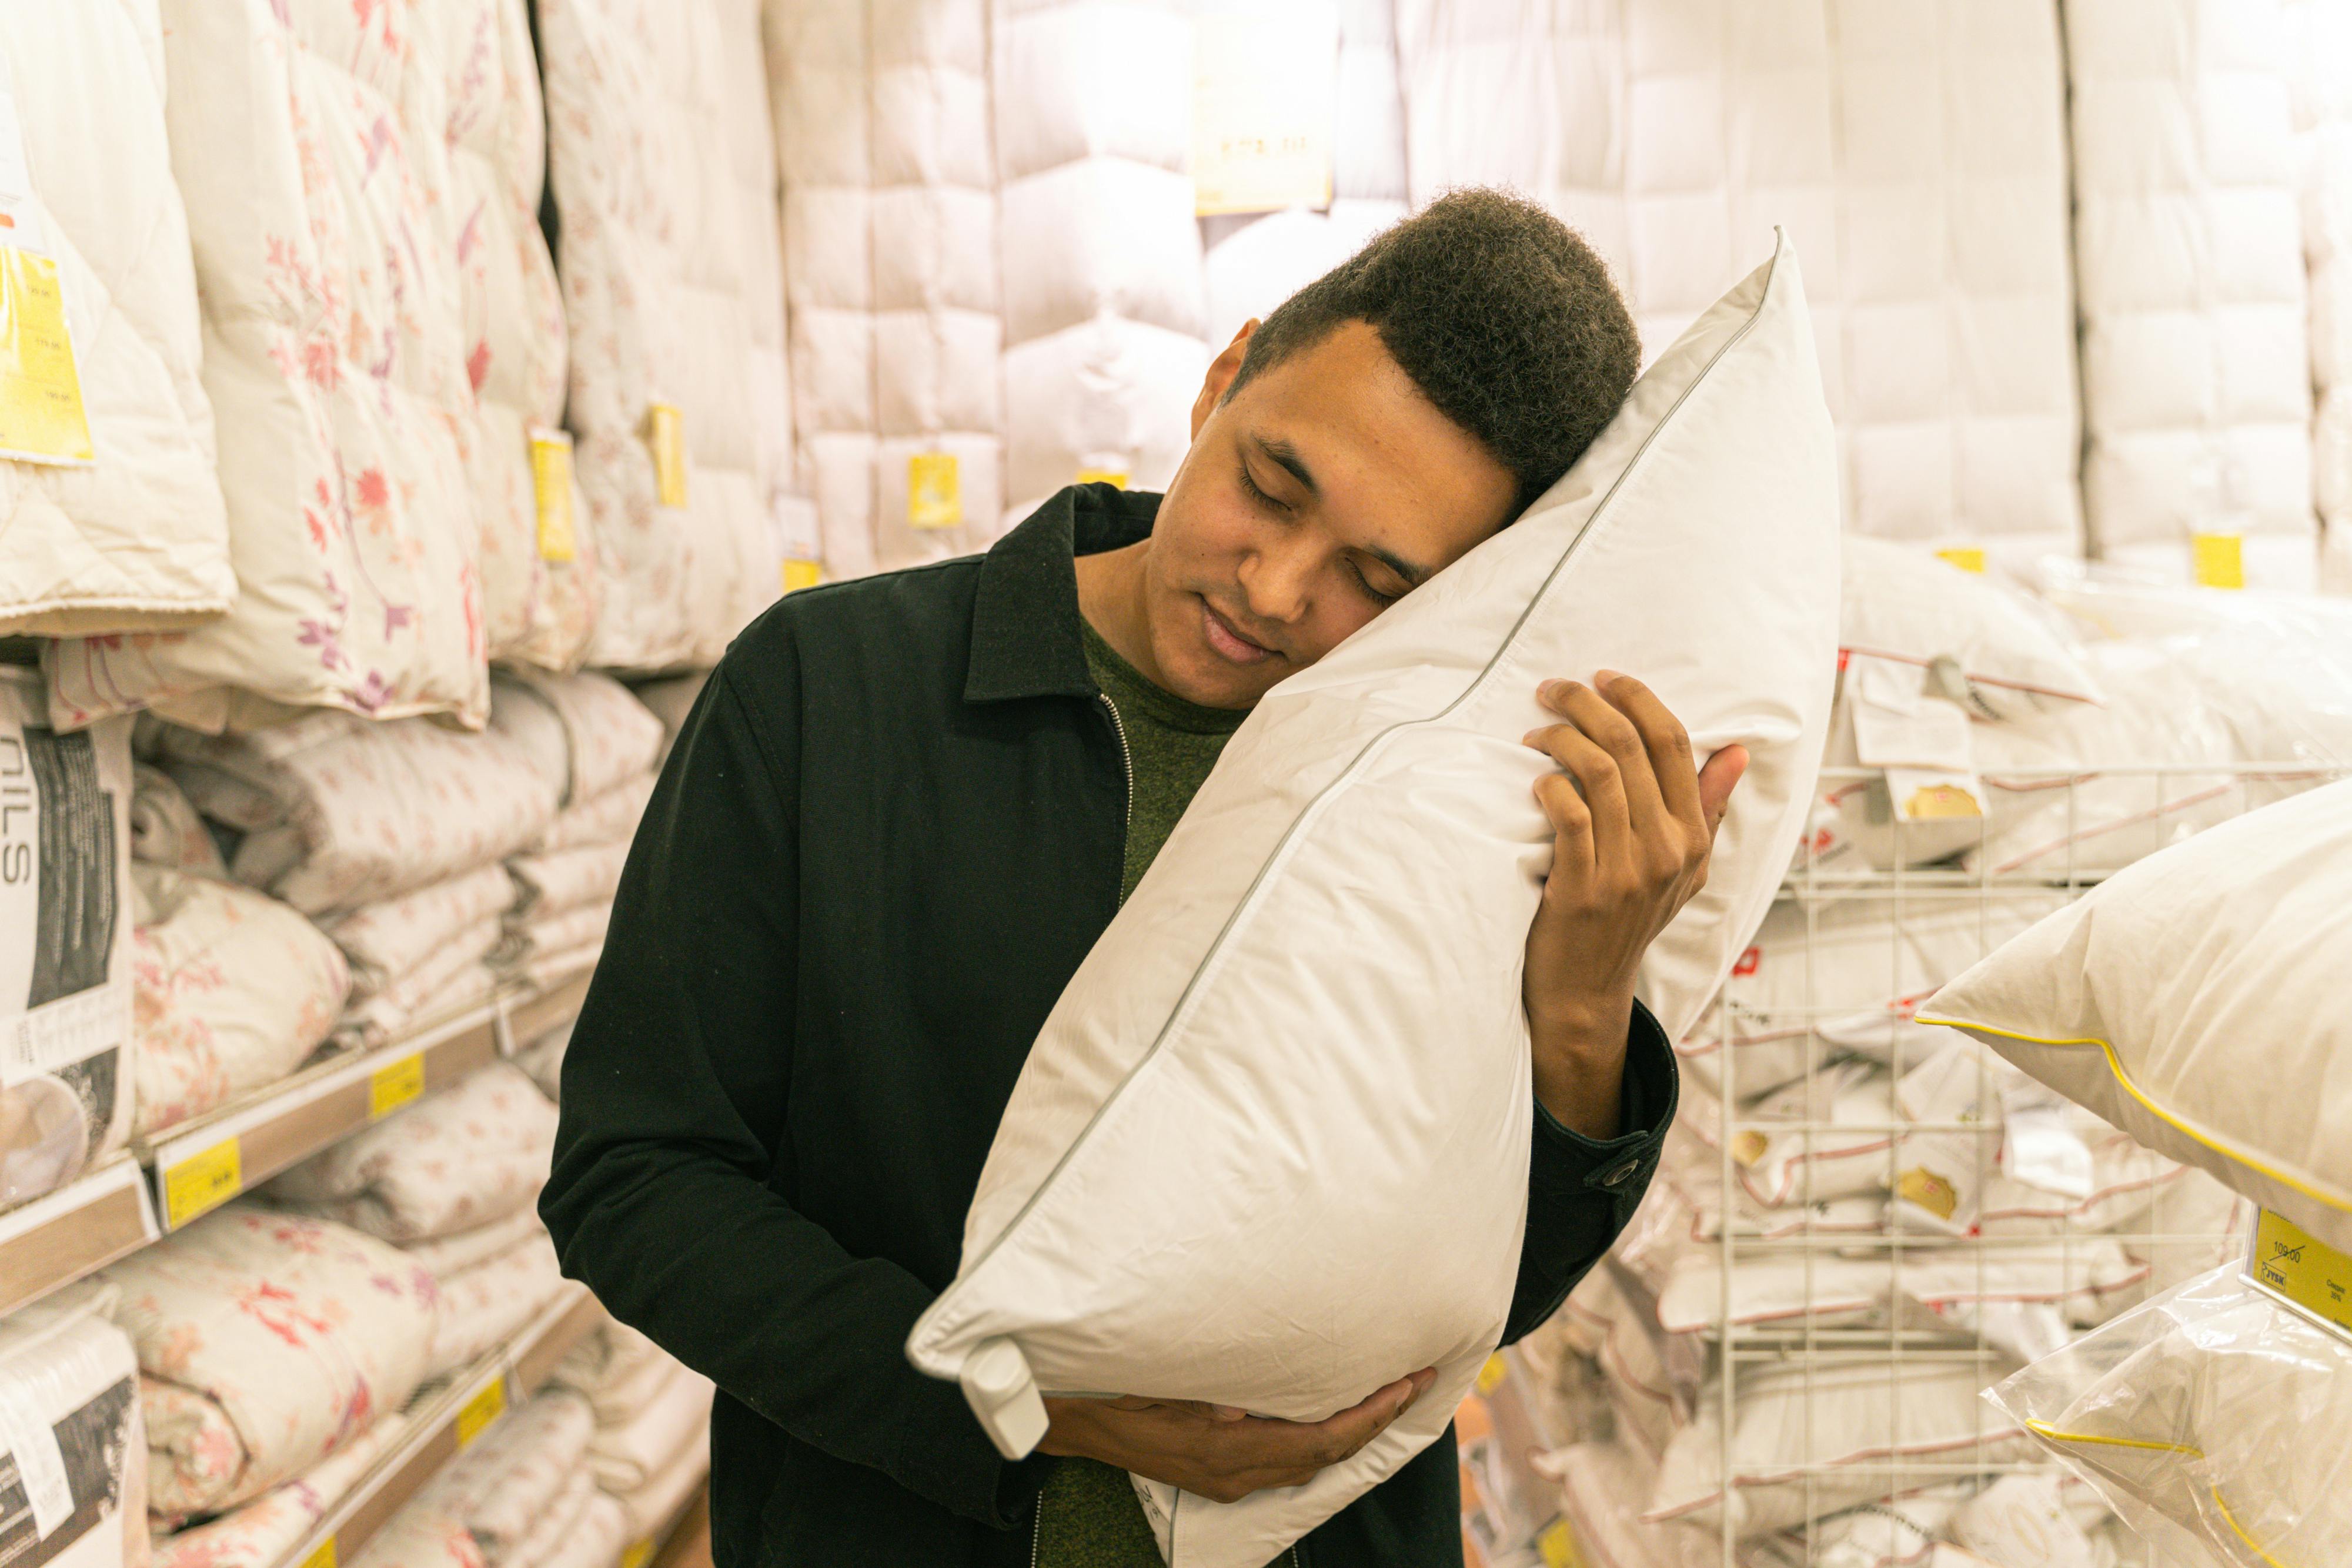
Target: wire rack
1861, 1221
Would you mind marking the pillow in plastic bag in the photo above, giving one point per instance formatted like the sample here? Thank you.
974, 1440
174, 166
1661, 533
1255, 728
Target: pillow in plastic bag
1298, 1054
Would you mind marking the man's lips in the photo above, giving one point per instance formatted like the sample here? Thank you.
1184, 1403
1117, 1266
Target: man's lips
1228, 643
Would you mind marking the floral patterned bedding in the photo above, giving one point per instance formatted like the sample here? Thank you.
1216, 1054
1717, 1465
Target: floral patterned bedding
517, 1474
610, 818
490, 1301
387, 941
261, 1532
230, 990
461, 1249
471, 1153
267, 1342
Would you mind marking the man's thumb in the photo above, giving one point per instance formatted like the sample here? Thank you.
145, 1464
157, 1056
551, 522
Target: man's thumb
1715, 783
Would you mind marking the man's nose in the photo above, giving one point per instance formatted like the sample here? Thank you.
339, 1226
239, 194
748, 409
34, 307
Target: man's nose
1278, 582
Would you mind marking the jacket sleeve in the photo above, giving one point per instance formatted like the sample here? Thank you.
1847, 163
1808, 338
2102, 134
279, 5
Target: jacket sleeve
674, 1090
1582, 1191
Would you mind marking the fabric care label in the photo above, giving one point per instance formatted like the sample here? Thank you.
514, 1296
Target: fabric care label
42, 419
2289, 1264
666, 435
32, 1443
1265, 102
550, 483
2218, 560
58, 894
934, 491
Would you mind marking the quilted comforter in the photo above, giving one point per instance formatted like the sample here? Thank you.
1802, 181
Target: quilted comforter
137, 538
259, 1534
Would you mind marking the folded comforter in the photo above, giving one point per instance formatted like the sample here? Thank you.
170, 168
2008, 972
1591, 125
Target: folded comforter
647, 1444
260, 1533
474, 1152
267, 1342
656, 1500
519, 1473
490, 1301
387, 941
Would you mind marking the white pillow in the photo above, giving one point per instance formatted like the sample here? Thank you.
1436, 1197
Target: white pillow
1298, 1053
1905, 605
2195, 1000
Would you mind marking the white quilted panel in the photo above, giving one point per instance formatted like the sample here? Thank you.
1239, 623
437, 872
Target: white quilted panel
307, 140
534, 611
2196, 357
1105, 309
654, 259
2319, 81
750, 131
1956, 327
883, 138
140, 540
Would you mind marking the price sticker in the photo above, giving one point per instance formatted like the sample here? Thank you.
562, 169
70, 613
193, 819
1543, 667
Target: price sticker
203, 1182
934, 492
474, 1417
395, 1084
2315, 1276
42, 419
1967, 558
666, 433
800, 574
550, 483
2219, 559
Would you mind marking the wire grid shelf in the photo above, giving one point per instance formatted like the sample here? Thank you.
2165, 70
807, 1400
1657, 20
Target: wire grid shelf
1840, 1358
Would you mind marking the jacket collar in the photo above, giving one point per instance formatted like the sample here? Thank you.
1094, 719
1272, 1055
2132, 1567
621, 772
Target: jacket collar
1025, 641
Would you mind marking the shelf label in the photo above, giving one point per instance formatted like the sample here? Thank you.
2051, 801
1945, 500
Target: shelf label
666, 432
934, 493
800, 574
1117, 477
1557, 1545
639, 1550
1491, 1375
489, 1402
550, 483
2219, 559
1967, 558
2308, 1272
395, 1084
324, 1557
203, 1182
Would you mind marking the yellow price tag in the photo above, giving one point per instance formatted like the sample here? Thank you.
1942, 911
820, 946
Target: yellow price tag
203, 1182
1941, 802
550, 483
1103, 476
324, 1557
666, 432
634, 1557
800, 574
41, 414
1491, 1375
1557, 1545
395, 1084
934, 493
2219, 559
1967, 558
2310, 1273
489, 1402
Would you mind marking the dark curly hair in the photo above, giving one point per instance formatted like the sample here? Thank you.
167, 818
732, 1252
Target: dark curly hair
1501, 314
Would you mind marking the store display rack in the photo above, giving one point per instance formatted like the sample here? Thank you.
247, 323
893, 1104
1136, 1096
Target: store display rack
196, 1166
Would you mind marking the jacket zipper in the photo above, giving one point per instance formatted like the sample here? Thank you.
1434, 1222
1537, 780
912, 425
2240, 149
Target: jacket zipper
1126, 762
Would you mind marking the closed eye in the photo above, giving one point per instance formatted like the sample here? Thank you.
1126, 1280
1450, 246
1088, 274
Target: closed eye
1376, 597
1257, 492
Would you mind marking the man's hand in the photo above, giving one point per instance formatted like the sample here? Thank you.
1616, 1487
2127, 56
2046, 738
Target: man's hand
1633, 820
1214, 1450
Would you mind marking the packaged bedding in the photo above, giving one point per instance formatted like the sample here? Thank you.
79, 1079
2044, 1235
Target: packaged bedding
1206, 1056
72, 1438
66, 1068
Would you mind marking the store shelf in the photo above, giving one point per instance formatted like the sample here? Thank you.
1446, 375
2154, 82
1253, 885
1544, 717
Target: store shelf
668, 1546
201, 1164
75, 1230
446, 1423
530, 1015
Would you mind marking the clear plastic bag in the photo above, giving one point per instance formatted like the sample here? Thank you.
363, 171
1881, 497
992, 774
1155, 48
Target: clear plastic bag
2214, 1418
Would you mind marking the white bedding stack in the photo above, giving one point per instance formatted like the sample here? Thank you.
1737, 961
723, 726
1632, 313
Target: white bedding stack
2188, 255
2319, 81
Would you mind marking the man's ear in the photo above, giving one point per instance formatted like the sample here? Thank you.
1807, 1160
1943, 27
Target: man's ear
1221, 371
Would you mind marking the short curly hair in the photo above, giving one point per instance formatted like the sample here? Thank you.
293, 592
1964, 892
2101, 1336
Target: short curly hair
1502, 315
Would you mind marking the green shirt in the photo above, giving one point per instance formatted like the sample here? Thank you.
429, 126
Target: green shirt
1087, 1515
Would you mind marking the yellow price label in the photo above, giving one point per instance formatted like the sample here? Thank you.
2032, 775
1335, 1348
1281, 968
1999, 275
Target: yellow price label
666, 433
1491, 1375
1103, 476
550, 483
489, 1402
639, 1550
41, 414
395, 1084
203, 1182
934, 491
1967, 558
323, 1557
800, 574
2308, 1272
1941, 802
1557, 1545
2219, 559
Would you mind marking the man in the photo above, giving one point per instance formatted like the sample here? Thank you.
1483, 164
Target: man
905, 806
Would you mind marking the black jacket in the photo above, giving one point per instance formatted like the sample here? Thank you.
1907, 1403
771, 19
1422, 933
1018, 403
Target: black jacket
888, 832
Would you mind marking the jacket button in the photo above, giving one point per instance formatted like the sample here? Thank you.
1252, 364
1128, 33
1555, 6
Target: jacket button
1620, 1174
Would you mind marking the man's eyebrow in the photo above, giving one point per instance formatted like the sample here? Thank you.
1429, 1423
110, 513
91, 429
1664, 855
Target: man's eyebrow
1413, 575
1280, 451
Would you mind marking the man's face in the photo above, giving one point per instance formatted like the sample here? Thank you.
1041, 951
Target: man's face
1325, 490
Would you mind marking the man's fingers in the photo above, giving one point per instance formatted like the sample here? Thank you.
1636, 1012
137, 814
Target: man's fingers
1663, 737
1615, 733
1598, 782
1716, 780
1571, 825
